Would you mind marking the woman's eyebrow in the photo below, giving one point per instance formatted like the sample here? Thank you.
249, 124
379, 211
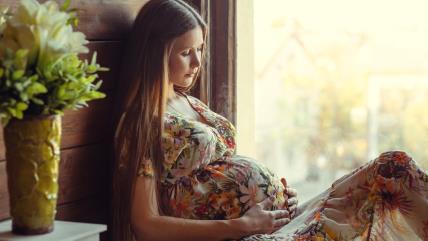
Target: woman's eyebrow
179, 49
189, 47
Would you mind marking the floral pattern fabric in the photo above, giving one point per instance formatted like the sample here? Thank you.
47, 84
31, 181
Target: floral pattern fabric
385, 199
202, 178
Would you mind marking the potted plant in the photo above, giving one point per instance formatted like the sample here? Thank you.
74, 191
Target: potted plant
41, 75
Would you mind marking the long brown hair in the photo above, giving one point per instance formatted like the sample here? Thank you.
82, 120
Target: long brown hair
142, 96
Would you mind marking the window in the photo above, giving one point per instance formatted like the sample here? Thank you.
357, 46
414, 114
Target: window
335, 83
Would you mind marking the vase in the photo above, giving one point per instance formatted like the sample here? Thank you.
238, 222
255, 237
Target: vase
32, 160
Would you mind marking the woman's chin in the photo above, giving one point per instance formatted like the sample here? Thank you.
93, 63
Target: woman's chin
185, 83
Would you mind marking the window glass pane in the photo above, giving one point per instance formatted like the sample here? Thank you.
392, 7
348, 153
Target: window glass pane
336, 83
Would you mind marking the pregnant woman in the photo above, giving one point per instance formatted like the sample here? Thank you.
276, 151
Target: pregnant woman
177, 177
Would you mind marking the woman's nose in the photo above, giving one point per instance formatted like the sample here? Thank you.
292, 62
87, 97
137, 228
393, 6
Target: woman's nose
196, 60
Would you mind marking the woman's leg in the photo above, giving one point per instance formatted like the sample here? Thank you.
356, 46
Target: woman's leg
385, 199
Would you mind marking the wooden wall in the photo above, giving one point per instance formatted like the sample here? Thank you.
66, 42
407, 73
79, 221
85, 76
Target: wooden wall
85, 166
85, 178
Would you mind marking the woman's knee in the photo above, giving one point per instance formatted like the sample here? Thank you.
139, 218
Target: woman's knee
393, 164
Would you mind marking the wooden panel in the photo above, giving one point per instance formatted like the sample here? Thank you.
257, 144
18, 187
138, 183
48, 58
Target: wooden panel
4, 195
91, 210
88, 125
101, 19
109, 54
84, 172
2, 154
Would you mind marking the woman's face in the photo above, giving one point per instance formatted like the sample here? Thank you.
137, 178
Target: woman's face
185, 58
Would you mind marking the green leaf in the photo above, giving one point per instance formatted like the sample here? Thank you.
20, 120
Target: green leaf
37, 101
34, 78
19, 87
26, 82
94, 58
19, 114
96, 95
91, 69
36, 88
75, 21
91, 78
103, 69
61, 93
12, 111
65, 5
18, 74
48, 74
23, 96
21, 106
21, 53
98, 85
20, 61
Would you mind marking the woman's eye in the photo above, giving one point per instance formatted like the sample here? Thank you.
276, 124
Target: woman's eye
199, 49
186, 53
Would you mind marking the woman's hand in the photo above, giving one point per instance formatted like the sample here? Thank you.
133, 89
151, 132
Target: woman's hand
292, 201
291, 198
259, 218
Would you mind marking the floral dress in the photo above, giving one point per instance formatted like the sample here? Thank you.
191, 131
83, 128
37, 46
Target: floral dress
386, 199
203, 179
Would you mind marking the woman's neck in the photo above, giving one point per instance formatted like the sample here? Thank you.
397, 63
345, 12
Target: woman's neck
171, 93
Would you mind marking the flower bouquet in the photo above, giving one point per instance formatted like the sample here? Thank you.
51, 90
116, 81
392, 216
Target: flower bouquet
41, 75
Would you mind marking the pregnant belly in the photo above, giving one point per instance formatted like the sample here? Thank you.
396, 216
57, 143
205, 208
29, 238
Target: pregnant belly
222, 190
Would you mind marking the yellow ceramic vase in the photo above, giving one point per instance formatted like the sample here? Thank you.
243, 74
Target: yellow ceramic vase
32, 159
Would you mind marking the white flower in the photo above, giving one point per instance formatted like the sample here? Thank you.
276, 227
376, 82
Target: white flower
44, 30
3, 17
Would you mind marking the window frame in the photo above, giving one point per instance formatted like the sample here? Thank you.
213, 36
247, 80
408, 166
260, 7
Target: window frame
217, 82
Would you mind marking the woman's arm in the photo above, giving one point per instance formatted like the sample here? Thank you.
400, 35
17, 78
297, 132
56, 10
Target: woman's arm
147, 224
